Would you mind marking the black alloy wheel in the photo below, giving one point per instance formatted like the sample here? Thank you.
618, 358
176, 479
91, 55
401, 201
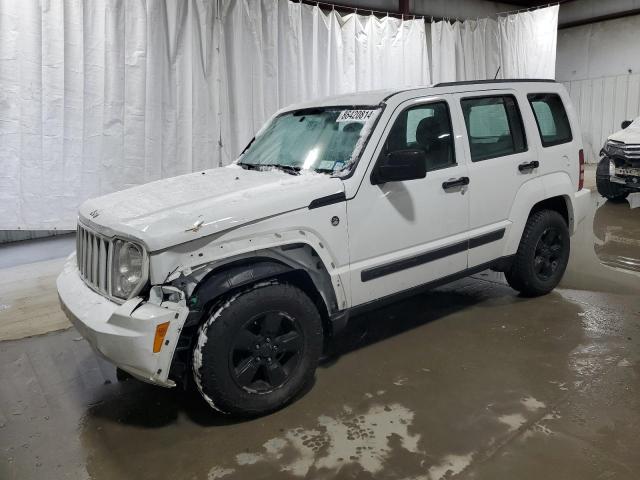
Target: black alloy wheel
542, 256
548, 253
266, 352
257, 349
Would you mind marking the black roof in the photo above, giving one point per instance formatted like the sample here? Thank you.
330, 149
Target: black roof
502, 80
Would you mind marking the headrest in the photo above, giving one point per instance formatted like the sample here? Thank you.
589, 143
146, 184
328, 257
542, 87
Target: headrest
429, 130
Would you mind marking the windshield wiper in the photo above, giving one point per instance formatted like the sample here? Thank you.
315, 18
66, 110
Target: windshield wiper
290, 169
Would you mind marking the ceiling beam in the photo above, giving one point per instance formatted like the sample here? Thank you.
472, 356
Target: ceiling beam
601, 18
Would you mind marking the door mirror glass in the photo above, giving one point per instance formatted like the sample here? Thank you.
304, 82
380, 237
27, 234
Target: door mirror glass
400, 165
625, 124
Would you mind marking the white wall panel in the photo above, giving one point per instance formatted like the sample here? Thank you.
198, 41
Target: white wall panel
633, 96
599, 49
600, 64
602, 105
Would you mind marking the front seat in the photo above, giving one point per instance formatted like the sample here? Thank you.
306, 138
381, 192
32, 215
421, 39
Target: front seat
434, 136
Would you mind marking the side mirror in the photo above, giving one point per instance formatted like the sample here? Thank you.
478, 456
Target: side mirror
399, 166
625, 124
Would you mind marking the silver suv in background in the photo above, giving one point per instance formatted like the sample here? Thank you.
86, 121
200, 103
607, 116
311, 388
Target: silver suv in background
618, 172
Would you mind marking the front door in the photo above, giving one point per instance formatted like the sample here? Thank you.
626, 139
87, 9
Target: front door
408, 233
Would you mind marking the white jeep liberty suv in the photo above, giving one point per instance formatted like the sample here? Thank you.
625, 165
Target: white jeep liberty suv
236, 276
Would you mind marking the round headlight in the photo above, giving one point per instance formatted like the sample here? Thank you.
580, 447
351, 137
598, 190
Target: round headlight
129, 269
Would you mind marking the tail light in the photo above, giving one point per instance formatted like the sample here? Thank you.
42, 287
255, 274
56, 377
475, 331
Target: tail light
581, 177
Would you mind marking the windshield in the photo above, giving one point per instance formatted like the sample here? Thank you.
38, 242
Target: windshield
319, 139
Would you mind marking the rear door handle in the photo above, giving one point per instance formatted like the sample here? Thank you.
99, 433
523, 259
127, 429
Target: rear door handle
458, 182
527, 167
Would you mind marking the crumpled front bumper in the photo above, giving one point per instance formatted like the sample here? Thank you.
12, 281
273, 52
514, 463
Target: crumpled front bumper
123, 334
627, 176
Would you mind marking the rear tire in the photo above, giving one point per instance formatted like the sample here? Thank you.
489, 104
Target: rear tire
258, 349
608, 189
542, 255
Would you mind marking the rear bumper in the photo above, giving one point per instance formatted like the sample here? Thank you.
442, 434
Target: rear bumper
581, 207
122, 334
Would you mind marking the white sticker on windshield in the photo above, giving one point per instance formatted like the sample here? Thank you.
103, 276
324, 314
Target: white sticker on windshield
355, 115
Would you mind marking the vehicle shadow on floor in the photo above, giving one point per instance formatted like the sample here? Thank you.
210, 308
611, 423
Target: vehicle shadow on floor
396, 318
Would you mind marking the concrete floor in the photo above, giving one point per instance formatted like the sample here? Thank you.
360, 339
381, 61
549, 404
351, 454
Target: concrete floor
469, 381
37, 250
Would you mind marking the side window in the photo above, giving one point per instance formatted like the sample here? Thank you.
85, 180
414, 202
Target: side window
425, 127
551, 117
494, 126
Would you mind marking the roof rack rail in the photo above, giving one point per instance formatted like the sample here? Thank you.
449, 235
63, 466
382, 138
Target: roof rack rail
502, 80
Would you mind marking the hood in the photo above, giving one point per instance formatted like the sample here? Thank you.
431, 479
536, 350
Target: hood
164, 213
630, 135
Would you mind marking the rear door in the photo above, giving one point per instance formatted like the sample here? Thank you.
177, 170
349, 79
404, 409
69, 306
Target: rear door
555, 138
501, 161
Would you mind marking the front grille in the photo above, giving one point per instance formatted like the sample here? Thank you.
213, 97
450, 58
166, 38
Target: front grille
94, 253
628, 151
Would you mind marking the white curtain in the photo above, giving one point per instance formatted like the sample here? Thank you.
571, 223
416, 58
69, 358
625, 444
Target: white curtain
522, 45
99, 95
282, 52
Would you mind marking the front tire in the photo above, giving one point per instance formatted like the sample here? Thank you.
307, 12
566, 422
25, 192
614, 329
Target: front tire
258, 349
542, 255
608, 189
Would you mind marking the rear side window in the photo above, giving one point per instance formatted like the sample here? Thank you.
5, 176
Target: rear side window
551, 117
494, 126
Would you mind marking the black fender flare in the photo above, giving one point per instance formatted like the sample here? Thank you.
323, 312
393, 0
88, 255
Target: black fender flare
244, 272
231, 276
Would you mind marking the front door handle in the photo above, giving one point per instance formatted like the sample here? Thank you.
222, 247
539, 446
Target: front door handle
458, 182
527, 167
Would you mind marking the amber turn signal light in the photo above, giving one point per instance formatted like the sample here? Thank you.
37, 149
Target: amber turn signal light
161, 331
